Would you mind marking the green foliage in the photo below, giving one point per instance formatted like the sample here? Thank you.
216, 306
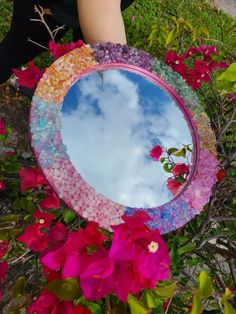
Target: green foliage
227, 80
136, 306
206, 287
67, 289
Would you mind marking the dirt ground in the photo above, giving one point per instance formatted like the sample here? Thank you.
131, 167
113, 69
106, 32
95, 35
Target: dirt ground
228, 6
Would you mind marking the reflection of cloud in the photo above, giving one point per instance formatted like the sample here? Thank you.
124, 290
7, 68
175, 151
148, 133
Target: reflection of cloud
108, 136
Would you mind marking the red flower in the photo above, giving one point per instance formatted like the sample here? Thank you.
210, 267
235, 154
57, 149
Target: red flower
77, 252
30, 178
156, 152
51, 201
43, 219
48, 303
201, 70
57, 234
2, 185
180, 169
29, 77
50, 274
3, 270
221, 175
2, 127
59, 50
232, 97
34, 239
3, 248
172, 58
174, 186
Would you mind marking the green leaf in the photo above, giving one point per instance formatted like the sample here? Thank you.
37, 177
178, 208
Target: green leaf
19, 289
152, 300
197, 302
186, 249
228, 308
205, 285
94, 308
229, 74
136, 307
167, 167
228, 294
67, 290
162, 159
181, 153
170, 151
171, 36
165, 292
69, 216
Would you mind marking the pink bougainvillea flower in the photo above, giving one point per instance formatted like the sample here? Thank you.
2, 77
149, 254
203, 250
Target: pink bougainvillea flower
207, 50
221, 175
232, 97
29, 77
3, 247
3, 270
174, 186
51, 274
59, 50
2, 185
156, 152
44, 303
136, 242
180, 169
51, 201
201, 70
77, 252
30, 178
172, 58
43, 219
2, 127
34, 239
57, 234
193, 80
97, 279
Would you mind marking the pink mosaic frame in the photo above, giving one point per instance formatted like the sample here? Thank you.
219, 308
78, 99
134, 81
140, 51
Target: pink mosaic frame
51, 153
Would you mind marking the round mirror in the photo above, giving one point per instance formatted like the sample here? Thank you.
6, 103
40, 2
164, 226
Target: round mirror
111, 121
115, 130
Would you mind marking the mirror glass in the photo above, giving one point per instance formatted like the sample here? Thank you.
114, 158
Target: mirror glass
111, 120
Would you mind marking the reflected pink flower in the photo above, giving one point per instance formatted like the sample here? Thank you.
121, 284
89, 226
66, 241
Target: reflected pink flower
156, 152
180, 169
174, 186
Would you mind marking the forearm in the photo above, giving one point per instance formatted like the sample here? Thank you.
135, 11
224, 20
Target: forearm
101, 21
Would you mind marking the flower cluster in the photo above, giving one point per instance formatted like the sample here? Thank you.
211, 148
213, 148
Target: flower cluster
33, 178
138, 258
202, 67
179, 171
3, 264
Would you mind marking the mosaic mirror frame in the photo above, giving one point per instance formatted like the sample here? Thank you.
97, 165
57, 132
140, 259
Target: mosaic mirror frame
51, 153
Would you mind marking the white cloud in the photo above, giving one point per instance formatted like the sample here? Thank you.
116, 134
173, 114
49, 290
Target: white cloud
109, 141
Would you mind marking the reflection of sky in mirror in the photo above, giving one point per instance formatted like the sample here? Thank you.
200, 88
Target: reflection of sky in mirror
109, 125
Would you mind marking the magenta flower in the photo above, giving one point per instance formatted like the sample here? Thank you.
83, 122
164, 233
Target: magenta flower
3, 271
156, 152
29, 77
2, 185
30, 178
43, 219
51, 201
2, 127
34, 239
78, 251
180, 169
59, 50
3, 248
142, 249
